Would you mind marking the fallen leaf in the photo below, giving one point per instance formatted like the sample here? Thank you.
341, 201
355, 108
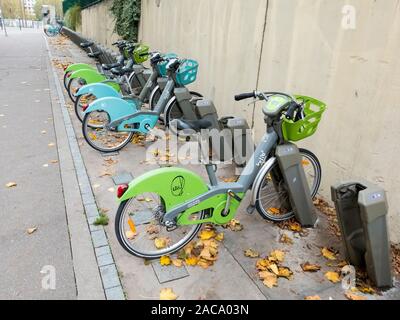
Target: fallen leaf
262, 264
274, 268
251, 253
31, 230
285, 239
191, 261
177, 263
367, 290
308, 267
167, 294
235, 225
43, 132
160, 243
277, 255
11, 184
312, 298
295, 226
52, 144
285, 272
332, 276
165, 260
328, 254
270, 280
209, 254
53, 161
45, 165
219, 236
352, 296
152, 229
274, 211
207, 234
204, 263
231, 179
111, 189
130, 234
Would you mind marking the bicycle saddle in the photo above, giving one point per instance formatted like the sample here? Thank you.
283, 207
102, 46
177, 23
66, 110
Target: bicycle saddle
195, 125
95, 54
109, 66
121, 71
86, 44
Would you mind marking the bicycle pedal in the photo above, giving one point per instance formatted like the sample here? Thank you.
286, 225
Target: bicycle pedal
250, 209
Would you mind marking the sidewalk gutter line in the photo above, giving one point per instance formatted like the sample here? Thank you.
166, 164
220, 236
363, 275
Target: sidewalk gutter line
106, 268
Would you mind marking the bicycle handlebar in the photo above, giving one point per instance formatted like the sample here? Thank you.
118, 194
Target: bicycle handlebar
244, 96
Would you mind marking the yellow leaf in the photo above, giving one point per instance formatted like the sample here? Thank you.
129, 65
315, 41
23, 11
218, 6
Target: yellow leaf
270, 280
165, 261
367, 290
204, 263
191, 261
251, 253
274, 268
160, 243
208, 253
308, 267
332, 276
328, 254
262, 264
277, 255
167, 294
92, 136
312, 298
235, 225
31, 230
305, 162
130, 234
207, 234
152, 229
52, 144
275, 211
177, 263
285, 272
11, 184
352, 296
295, 226
285, 239
219, 236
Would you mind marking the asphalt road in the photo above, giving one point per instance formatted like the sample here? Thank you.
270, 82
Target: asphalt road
29, 158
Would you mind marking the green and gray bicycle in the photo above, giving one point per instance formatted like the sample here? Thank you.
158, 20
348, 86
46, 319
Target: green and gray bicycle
176, 201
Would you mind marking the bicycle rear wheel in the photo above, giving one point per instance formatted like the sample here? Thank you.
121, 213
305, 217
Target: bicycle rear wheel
138, 228
272, 200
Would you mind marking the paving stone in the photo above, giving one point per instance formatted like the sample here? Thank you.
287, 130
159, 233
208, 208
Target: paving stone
115, 293
91, 211
168, 273
105, 260
122, 177
102, 251
99, 238
110, 277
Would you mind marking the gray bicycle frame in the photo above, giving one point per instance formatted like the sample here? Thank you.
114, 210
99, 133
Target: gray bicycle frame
257, 166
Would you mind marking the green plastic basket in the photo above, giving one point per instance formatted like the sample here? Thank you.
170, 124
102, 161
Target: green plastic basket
141, 54
306, 127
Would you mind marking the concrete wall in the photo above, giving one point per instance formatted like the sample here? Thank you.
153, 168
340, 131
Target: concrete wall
302, 47
98, 23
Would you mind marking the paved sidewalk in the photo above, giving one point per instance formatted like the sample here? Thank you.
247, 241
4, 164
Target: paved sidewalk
30, 159
233, 276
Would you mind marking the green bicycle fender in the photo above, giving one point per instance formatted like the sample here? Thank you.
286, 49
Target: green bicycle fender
177, 186
173, 185
79, 66
90, 76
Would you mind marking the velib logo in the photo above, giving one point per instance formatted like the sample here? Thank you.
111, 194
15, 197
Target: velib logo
177, 186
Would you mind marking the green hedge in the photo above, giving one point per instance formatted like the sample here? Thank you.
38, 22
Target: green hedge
73, 18
127, 17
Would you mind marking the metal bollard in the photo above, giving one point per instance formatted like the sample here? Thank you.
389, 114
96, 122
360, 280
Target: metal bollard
362, 208
289, 160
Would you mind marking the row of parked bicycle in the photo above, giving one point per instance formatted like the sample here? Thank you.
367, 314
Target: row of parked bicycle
115, 101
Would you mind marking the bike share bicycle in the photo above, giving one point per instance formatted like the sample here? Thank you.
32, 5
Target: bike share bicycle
118, 119
178, 202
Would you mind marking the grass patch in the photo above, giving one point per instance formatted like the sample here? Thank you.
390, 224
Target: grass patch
102, 220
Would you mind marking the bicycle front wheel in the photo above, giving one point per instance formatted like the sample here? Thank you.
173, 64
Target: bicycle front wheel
272, 201
96, 134
138, 228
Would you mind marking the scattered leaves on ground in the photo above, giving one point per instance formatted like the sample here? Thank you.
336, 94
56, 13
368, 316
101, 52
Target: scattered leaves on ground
160, 243
31, 230
328, 253
130, 234
177, 262
312, 298
165, 260
234, 225
219, 236
277, 255
285, 239
11, 184
191, 261
332, 276
207, 234
167, 294
251, 253
269, 279
351, 296
308, 267
51, 144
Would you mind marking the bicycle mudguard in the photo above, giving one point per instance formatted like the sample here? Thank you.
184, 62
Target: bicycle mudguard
78, 66
177, 186
90, 76
174, 185
99, 90
115, 107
